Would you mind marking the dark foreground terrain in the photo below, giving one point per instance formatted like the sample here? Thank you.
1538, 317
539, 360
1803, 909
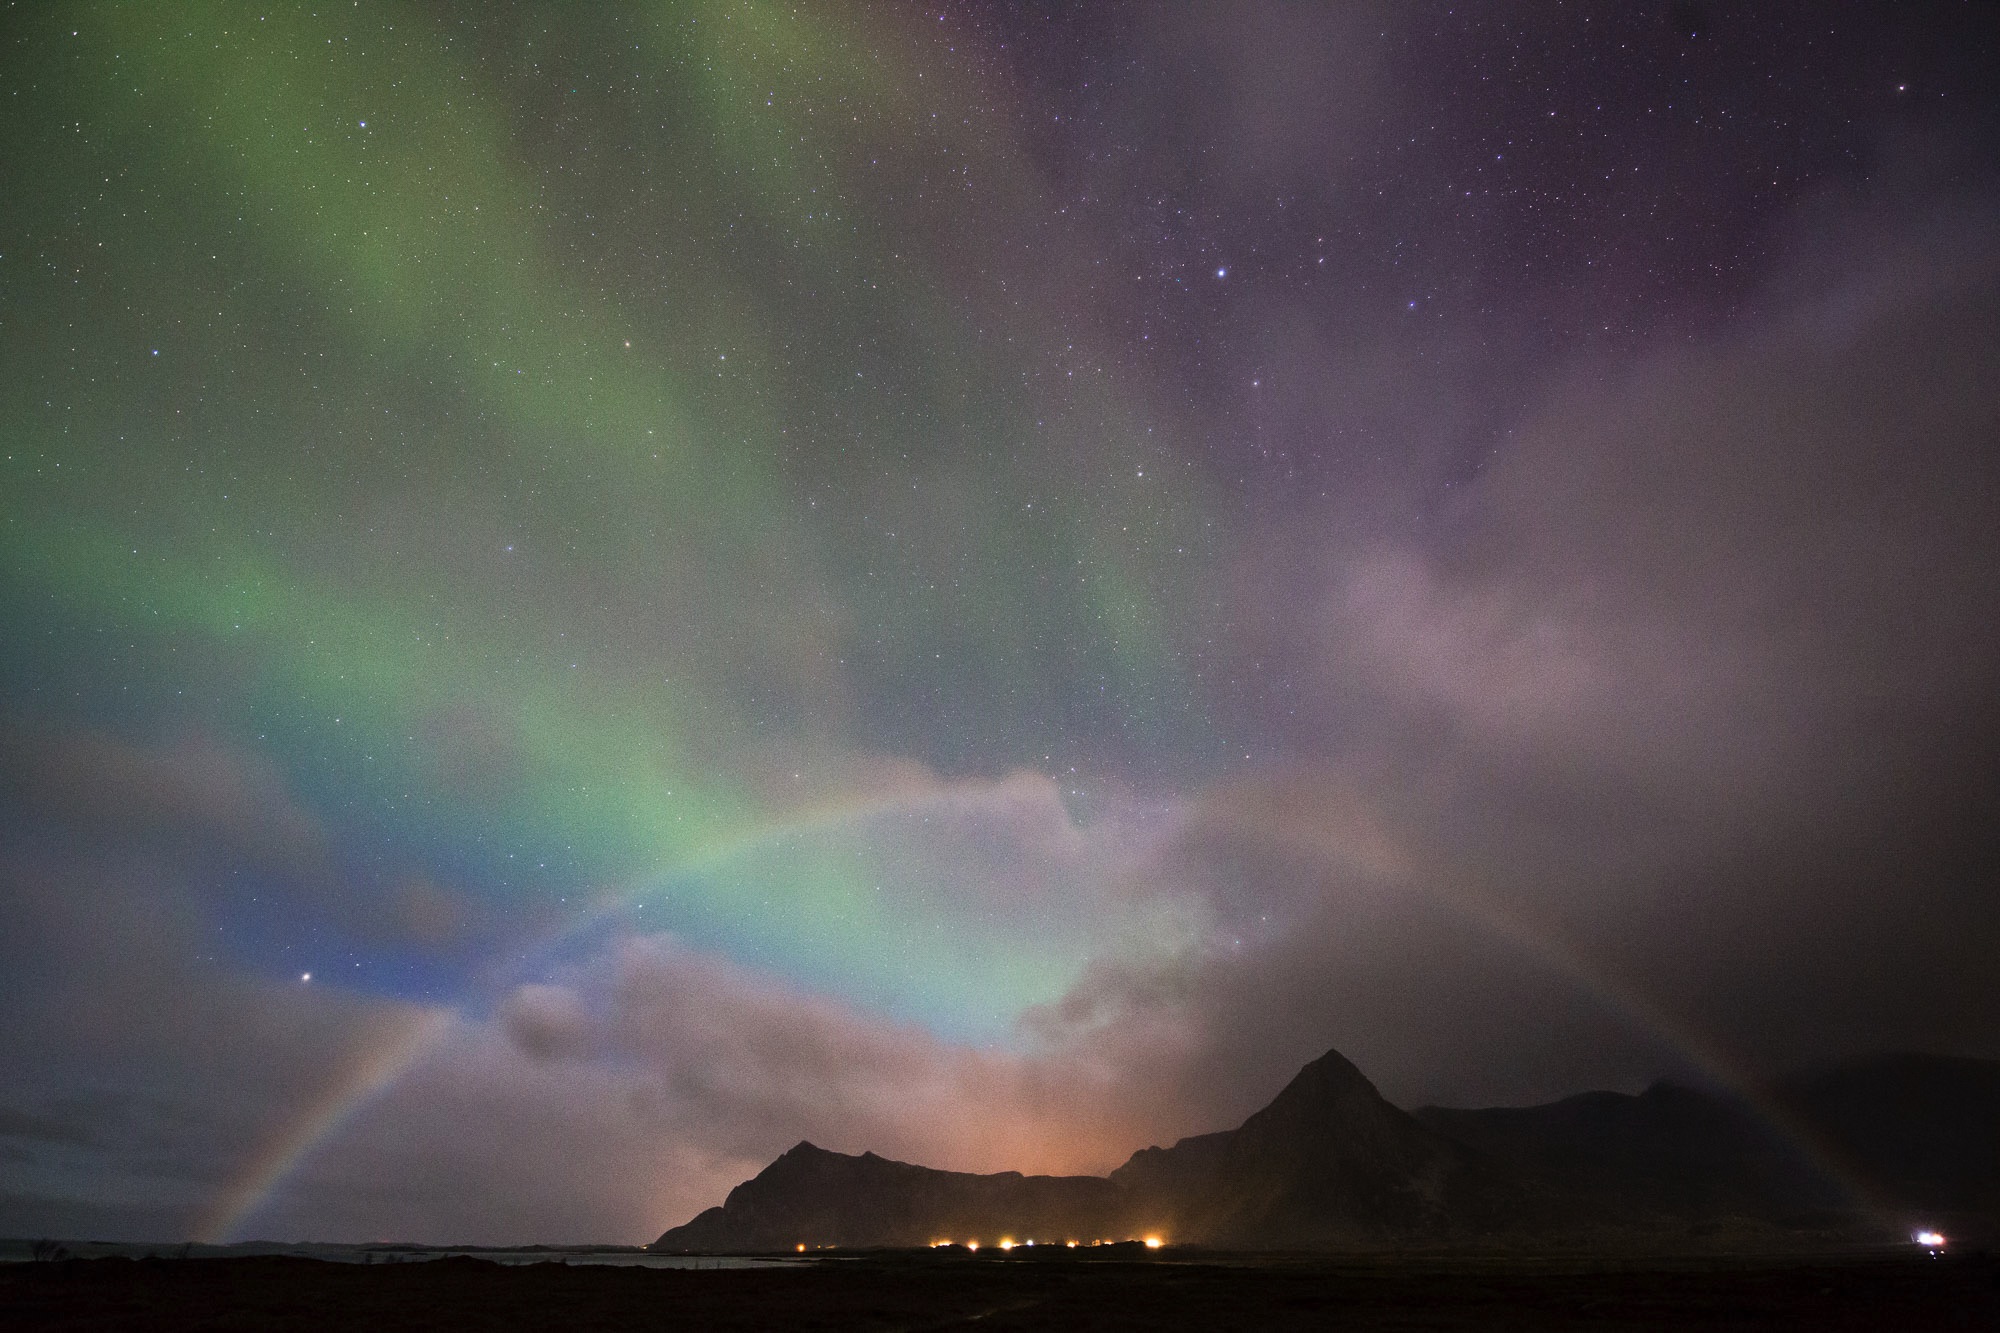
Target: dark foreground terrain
917, 1292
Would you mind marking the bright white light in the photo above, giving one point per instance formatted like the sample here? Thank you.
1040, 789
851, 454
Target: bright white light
305, 976
1153, 1242
1932, 1239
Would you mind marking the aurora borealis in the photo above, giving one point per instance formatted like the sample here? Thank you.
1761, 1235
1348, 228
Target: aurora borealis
592, 591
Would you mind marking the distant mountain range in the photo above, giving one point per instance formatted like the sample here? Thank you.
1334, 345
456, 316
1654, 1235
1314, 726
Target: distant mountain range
1865, 1149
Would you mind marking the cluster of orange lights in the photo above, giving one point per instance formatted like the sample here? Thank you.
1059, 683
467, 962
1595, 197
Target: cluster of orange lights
1008, 1243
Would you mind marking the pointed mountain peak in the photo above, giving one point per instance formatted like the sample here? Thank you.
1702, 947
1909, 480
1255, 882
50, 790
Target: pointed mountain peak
1333, 1065
1329, 1080
1329, 1107
804, 1158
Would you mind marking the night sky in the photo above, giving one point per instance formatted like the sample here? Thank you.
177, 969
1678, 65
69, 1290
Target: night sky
587, 592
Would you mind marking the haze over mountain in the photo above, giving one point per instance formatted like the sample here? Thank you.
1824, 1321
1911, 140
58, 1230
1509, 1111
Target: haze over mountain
1329, 1164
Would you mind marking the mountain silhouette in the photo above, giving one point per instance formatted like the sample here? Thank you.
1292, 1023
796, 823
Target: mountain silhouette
1668, 1152
1331, 1164
814, 1197
1906, 1137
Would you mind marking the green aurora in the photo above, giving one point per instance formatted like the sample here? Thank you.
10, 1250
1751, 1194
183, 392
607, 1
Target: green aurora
391, 418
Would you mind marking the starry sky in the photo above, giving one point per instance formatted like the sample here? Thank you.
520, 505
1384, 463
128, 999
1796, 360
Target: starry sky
591, 591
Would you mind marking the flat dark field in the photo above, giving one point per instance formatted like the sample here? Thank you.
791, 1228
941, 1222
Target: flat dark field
893, 1292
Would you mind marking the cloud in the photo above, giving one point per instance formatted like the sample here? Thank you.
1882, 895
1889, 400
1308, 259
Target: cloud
193, 788
194, 812
168, 1072
16, 1124
423, 912
737, 1060
616, 1097
1673, 748
548, 1022
1754, 572
948, 902
648, 1079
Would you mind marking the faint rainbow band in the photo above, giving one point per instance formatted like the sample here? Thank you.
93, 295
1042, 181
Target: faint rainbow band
379, 1067
373, 1071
